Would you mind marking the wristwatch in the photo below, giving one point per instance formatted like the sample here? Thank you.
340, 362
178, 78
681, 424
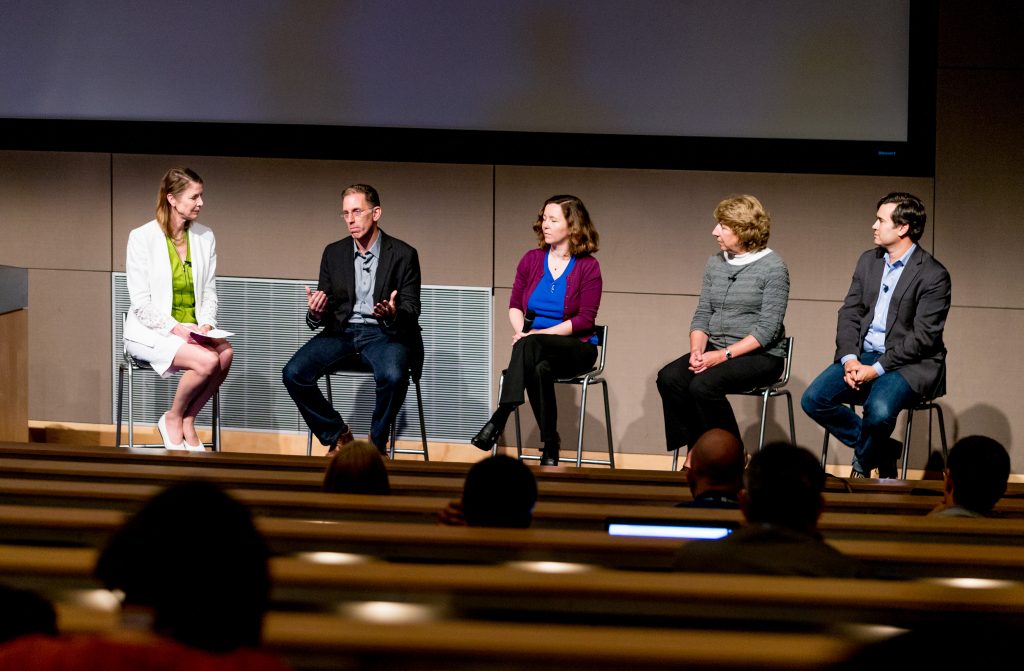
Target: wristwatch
728, 353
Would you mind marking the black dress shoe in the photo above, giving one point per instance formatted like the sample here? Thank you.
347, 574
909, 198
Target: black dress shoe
892, 450
486, 438
547, 459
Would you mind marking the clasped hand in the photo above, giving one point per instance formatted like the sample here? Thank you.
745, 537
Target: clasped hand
856, 373
701, 361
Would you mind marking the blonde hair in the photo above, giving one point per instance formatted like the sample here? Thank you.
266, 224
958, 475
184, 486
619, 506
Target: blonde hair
174, 182
747, 218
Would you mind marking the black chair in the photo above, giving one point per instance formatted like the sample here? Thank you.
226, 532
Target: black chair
927, 403
771, 391
130, 365
354, 366
591, 377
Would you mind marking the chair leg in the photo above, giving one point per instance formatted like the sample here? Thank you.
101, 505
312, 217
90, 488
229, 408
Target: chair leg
423, 422
120, 402
519, 440
583, 418
675, 459
764, 418
131, 408
501, 384
824, 451
792, 421
608, 425
942, 433
906, 443
216, 421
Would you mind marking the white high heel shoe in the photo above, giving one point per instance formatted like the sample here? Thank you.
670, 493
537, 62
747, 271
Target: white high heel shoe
195, 448
161, 426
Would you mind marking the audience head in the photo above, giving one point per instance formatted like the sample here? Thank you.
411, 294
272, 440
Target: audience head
499, 492
583, 237
193, 556
174, 183
747, 218
909, 212
23, 612
716, 463
357, 468
783, 486
977, 470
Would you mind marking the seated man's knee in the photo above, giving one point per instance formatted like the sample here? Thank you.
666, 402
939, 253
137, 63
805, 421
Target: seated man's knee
878, 412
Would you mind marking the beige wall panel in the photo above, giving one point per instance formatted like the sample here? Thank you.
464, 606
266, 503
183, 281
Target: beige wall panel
69, 346
985, 380
656, 226
55, 210
980, 173
273, 217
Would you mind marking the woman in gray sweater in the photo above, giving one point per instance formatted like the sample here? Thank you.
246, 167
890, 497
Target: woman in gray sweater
736, 335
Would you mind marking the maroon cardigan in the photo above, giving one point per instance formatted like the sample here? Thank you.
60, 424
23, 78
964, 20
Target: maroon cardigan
582, 289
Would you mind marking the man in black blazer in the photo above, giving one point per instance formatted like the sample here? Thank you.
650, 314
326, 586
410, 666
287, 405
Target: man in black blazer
368, 302
889, 347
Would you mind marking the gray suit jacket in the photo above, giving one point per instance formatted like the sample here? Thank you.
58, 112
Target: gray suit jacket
914, 325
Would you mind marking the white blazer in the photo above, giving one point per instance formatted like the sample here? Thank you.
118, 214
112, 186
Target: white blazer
148, 268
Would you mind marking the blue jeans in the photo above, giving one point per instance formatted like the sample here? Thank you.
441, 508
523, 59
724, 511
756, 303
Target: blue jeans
326, 353
882, 399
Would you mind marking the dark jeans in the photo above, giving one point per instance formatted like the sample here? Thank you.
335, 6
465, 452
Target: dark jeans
882, 398
537, 361
694, 404
324, 354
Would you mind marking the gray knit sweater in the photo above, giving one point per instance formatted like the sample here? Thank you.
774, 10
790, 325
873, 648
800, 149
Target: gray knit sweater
737, 301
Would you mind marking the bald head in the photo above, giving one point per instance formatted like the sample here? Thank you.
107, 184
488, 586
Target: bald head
716, 463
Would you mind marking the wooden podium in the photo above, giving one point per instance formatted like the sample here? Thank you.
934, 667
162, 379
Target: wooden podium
13, 354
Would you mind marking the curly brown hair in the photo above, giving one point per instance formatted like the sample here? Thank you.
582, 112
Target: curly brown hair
583, 237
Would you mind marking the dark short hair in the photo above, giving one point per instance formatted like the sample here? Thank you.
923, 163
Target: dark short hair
499, 492
979, 467
909, 212
372, 197
194, 556
784, 484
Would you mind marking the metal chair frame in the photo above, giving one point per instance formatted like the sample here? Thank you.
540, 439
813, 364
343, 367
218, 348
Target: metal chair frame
584, 381
928, 404
130, 365
392, 449
771, 391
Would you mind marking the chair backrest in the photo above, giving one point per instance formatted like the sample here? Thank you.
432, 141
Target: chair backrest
602, 342
789, 363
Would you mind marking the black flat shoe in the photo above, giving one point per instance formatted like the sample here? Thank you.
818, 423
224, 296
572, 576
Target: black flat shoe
486, 438
549, 455
548, 460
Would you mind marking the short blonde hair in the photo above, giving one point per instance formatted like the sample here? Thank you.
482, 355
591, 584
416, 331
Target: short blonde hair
747, 218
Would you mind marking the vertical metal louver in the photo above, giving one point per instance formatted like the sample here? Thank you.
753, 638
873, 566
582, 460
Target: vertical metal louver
268, 318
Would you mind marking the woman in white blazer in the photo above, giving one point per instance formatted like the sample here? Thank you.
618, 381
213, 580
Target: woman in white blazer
171, 267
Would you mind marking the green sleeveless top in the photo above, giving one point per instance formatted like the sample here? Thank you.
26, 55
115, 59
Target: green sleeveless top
183, 292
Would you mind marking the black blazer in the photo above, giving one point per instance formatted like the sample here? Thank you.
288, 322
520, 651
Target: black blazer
398, 268
914, 325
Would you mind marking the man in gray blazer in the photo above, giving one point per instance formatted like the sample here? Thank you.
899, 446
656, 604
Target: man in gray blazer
889, 347
368, 302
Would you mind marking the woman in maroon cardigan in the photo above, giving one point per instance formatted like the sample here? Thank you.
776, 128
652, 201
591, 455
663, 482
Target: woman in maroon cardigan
554, 303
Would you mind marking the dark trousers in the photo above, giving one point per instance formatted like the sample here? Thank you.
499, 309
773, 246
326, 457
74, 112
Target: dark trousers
325, 353
694, 404
537, 361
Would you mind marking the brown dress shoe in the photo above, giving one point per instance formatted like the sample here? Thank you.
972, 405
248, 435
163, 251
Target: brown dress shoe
343, 440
